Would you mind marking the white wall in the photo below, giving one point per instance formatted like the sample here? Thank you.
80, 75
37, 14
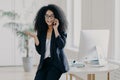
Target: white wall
60, 3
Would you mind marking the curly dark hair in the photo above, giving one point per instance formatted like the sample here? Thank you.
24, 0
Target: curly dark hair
41, 26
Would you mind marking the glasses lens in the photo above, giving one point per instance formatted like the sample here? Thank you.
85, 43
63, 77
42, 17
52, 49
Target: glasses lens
49, 16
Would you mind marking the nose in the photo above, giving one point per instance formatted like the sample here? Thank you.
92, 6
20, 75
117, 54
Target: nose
49, 17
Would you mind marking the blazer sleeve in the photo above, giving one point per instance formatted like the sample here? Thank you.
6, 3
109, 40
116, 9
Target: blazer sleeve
38, 47
61, 40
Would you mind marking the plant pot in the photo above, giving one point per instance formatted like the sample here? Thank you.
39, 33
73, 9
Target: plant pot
27, 64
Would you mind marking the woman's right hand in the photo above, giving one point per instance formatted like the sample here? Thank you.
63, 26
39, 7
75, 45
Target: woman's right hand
30, 34
34, 36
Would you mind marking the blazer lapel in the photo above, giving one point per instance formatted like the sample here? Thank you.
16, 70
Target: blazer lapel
44, 43
52, 44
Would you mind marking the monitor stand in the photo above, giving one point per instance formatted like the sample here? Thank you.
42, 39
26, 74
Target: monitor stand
101, 57
99, 61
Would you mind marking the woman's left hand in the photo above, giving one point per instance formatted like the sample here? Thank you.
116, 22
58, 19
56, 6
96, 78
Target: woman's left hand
56, 24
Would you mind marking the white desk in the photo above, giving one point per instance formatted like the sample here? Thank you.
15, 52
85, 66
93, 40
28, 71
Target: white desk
91, 71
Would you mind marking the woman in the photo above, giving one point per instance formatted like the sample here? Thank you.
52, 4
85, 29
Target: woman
51, 25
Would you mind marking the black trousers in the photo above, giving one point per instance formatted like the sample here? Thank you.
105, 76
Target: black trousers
48, 71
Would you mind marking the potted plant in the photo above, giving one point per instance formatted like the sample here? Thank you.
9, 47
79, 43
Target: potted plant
24, 42
18, 28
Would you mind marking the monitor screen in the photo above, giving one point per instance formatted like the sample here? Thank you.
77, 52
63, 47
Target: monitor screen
93, 45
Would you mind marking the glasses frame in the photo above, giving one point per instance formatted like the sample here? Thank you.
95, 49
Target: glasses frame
49, 16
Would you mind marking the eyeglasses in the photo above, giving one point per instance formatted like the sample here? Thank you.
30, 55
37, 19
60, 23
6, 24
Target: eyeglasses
49, 16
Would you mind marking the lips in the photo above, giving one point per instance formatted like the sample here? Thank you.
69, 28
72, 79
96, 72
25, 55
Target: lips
49, 21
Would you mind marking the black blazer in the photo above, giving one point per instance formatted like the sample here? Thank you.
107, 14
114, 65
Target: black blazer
56, 50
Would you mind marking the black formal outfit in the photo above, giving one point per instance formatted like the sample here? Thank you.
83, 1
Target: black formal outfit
51, 68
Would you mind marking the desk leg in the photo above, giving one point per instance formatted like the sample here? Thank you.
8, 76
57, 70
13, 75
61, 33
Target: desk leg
108, 76
66, 76
91, 77
75, 76
70, 76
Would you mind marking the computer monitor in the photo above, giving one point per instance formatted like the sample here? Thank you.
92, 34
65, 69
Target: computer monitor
93, 45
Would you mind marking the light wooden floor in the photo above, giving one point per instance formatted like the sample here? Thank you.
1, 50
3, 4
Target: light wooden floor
17, 73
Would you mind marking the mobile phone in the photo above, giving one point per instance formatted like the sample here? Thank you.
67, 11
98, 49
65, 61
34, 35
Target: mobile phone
54, 23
